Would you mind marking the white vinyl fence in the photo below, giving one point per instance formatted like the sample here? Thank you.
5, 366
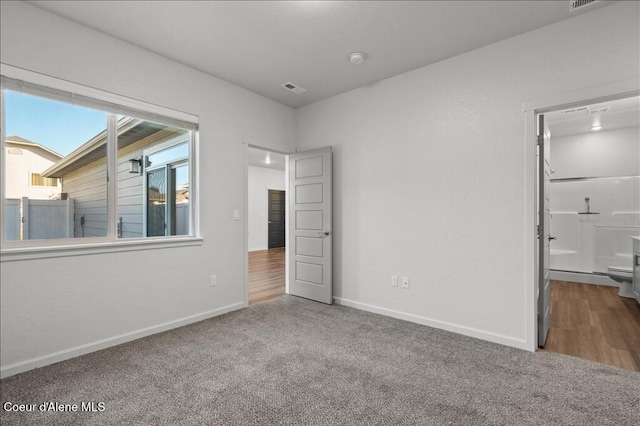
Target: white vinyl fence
13, 219
39, 219
182, 219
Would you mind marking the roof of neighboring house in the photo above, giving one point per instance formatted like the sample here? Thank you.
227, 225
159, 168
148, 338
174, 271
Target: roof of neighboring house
17, 140
130, 130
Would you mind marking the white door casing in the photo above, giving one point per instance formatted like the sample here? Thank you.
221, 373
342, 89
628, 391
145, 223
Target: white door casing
310, 225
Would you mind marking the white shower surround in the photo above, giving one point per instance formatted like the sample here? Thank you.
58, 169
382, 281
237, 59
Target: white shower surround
575, 248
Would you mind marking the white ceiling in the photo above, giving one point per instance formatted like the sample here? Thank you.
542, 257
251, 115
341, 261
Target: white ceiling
621, 114
260, 45
258, 158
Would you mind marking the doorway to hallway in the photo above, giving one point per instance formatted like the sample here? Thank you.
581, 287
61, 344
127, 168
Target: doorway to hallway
304, 212
266, 221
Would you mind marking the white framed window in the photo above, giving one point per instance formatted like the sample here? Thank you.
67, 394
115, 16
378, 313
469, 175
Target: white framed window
72, 142
38, 180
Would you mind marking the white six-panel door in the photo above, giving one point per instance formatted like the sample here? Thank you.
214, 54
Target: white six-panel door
310, 225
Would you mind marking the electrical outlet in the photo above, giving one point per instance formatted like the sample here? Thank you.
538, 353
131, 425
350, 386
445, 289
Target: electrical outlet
405, 282
394, 281
214, 281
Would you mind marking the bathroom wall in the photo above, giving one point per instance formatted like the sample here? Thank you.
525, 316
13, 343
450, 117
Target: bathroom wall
610, 161
590, 243
261, 180
596, 154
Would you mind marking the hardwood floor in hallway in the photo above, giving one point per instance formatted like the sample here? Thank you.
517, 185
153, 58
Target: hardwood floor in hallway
266, 274
593, 322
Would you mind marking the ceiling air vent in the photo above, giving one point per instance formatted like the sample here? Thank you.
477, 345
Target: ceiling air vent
577, 4
574, 110
599, 110
293, 88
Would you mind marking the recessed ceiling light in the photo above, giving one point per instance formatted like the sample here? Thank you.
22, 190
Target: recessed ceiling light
596, 128
356, 58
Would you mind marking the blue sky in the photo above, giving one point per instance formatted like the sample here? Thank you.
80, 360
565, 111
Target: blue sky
59, 126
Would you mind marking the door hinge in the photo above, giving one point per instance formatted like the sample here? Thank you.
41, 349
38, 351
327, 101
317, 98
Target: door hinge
538, 231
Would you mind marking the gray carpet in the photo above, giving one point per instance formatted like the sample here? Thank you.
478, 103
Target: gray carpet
293, 361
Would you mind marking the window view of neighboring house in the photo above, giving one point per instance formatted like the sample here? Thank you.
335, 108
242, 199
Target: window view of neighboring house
38, 180
25, 162
25, 186
49, 195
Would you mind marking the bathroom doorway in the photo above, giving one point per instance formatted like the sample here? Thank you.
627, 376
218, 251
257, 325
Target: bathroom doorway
593, 195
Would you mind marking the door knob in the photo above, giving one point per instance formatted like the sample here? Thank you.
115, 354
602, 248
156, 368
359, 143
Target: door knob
551, 238
325, 233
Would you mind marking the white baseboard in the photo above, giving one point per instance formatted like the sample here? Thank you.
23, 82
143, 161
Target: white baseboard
577, 277
63, 355
443, 325
259, 249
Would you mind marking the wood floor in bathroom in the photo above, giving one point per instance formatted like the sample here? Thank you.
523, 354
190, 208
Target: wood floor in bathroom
593, 322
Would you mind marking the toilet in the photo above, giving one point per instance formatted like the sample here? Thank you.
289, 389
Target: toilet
624, 276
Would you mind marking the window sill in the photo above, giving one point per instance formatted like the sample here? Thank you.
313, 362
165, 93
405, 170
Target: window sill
44, 252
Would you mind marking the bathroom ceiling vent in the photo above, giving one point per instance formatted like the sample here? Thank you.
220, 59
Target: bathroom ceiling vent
599, 110
293, 88
577, 4
575, 110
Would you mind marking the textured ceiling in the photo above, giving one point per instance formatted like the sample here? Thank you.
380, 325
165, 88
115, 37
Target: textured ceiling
260, 45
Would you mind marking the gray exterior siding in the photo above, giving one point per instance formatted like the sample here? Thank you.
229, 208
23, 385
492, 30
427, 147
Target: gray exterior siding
87, 186
130, 193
